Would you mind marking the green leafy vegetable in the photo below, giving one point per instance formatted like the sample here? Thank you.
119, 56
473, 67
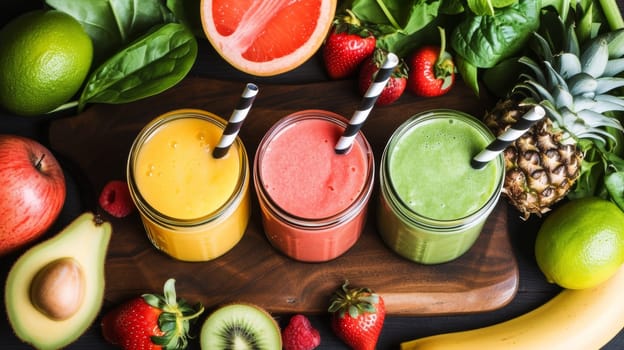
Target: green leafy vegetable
150, 65
486, 40
481, 8
186, 11
497, 78
469, 73
398, 23
615, 186
140, 49
602, 170
112, 24
488, 7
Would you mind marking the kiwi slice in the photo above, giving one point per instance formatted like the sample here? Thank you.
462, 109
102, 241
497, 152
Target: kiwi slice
240, 326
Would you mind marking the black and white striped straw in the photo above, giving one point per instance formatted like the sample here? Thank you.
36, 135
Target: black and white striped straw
509, 136
367, 103
236, 120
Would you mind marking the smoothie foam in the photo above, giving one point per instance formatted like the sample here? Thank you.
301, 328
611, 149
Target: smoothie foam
177, 175
430, 170
313, 200
303, 175
193, 207
433, 204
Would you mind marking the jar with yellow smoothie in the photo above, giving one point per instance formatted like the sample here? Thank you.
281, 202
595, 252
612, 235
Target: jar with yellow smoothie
194, 207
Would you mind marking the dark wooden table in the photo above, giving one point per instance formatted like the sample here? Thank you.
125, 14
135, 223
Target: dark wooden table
531, 291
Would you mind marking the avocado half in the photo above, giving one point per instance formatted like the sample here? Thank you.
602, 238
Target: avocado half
85, 240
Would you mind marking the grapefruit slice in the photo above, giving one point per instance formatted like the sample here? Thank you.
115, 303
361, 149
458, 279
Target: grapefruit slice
266, 37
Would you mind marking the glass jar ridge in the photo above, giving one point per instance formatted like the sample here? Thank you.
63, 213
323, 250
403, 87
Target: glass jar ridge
312, 239
414, 235
207, 236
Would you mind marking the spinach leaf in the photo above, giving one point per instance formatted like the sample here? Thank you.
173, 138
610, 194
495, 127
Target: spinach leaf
398, 22
186, 11
150, 65
614, 179
486, 40
488, 7
112, 24
469, 74
481, 7
500, 79
614, 183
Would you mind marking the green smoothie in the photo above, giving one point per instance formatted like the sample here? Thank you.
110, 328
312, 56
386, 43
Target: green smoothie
433, 203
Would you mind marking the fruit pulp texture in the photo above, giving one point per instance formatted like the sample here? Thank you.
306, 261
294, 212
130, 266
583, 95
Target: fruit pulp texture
303, 175
279, 22
429, 170
177, 175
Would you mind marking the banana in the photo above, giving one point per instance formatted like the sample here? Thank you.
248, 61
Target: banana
574, 319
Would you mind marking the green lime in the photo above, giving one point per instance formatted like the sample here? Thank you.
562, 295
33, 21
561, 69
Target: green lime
45, 57
581, 244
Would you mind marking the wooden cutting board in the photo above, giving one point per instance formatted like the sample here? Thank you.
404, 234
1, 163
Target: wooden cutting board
96, 144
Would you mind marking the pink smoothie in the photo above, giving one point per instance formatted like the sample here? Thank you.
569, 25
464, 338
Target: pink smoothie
321, 193
305, 177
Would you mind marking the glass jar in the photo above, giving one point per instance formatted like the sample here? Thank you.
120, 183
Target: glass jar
313, 200
432, 203
193, 207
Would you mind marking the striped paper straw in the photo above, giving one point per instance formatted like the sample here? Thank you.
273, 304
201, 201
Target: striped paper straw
510, 135
367, 103
236, 120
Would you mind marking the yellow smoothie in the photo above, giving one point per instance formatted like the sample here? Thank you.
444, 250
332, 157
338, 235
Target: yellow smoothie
194, 207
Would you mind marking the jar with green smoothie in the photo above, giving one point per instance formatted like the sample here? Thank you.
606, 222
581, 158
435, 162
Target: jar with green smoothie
433, 203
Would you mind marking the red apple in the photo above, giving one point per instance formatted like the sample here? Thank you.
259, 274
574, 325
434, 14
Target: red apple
32, 191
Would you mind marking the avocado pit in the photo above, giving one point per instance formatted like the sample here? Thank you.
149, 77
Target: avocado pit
58, 289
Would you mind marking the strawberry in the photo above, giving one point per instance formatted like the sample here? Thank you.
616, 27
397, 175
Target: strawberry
357, 316
395, 86
431, 70
346, 46
300, 335
115, 199
151, 321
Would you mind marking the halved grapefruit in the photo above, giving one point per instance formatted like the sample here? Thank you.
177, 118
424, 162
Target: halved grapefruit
266, 37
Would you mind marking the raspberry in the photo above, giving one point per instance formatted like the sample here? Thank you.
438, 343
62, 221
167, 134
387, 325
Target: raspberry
115, 199
300, 335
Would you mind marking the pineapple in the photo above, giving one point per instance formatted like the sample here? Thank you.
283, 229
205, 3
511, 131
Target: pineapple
573, 85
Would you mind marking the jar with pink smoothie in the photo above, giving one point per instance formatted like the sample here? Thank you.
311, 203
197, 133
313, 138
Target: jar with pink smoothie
313, 200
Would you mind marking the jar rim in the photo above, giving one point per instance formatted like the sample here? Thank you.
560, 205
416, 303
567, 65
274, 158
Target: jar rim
313, 223
410, 215
157, 216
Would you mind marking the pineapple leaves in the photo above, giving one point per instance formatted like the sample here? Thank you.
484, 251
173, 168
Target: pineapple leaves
563, 98
615, 42
568, 65
581, 84
608, 83
535, 69
594, 59
614, 67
